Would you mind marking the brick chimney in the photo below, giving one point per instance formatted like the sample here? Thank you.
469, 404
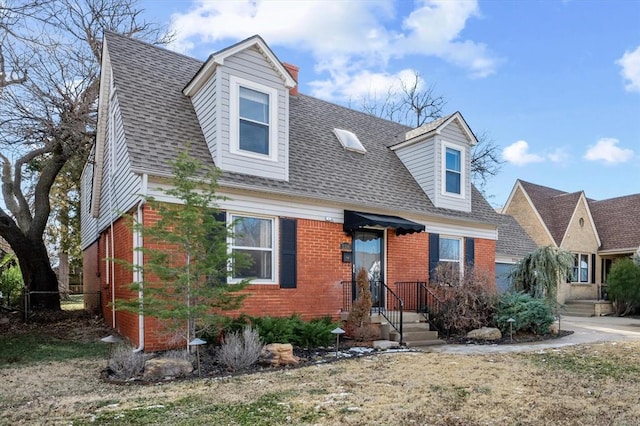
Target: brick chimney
293, 70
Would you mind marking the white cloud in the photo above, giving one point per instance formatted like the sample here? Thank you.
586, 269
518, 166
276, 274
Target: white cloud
345, 38
606, 150
630, 63
518, 153
559, 155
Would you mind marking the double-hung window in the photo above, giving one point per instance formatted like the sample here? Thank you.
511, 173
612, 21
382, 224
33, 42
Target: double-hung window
253, 123
451, 252
453, 171
580, 268
253, 238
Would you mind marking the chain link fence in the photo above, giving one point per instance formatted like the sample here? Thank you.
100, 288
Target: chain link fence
89, 301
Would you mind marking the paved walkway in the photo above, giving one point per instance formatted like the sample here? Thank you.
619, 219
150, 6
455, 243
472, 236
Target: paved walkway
585, 330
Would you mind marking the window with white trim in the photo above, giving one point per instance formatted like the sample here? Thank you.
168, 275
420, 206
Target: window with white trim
580, 268
453, 171
253, 120
254, 238
451, 252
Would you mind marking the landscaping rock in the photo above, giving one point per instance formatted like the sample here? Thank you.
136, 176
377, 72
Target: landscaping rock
166, 368
485, 333
278, 354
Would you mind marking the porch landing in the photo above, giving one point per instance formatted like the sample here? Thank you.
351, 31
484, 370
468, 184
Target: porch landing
587, 308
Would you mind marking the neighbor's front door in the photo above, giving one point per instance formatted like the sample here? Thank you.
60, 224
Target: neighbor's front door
368, 254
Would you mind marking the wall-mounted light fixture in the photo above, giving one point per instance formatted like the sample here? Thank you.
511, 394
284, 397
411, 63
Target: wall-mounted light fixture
345, 248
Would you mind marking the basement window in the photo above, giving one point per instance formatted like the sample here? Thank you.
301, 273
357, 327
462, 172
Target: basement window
349, 141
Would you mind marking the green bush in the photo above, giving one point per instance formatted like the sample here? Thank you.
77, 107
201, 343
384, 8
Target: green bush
276, 329
623, 284
11, 283
308, 334
314, 333
530, 314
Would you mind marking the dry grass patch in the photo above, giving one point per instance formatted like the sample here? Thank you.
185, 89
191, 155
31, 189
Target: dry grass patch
594, 385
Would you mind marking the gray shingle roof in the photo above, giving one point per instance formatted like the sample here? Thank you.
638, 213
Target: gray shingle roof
158, 121
513, 241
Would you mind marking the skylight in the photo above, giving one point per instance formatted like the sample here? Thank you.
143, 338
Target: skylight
349, 141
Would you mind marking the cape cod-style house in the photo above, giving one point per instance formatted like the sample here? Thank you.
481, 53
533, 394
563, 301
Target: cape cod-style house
328, 189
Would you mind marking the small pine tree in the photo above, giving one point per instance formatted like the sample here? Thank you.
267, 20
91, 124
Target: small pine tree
623, 284
186, 262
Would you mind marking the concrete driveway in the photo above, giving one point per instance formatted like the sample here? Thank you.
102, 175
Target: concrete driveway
585, 330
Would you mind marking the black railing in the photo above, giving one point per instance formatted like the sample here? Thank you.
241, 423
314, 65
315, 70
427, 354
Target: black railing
385, 302
418, 297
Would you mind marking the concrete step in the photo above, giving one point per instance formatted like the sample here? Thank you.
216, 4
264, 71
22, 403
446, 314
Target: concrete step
422, 343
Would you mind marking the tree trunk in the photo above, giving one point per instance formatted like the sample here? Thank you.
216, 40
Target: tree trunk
37, 273
63, 275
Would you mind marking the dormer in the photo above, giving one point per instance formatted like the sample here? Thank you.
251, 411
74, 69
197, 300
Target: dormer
438, 156
241, 98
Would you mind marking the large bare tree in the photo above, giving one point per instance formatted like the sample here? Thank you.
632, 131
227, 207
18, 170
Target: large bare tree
414, 103
49, 78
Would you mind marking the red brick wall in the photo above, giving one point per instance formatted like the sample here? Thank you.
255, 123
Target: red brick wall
407, 257
320, 271
485, 258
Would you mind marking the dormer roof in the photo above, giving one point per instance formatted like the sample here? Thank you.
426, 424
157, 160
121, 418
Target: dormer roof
217, 59
433, 128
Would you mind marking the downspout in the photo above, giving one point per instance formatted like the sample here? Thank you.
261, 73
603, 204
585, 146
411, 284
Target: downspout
138, 261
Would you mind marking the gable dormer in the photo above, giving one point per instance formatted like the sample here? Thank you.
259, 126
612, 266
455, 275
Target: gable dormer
241, 98
438, 156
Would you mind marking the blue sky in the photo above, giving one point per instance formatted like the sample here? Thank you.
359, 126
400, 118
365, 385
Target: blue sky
555, 83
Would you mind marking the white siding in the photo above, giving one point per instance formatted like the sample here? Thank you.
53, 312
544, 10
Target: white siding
453, 134
251, 65
419, 160
205, 106
120, 187
282, 206
88, 224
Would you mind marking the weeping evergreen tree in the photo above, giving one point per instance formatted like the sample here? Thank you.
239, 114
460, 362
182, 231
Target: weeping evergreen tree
539, 272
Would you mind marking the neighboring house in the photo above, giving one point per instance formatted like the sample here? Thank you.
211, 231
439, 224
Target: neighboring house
513, 244
596, 232
327, 189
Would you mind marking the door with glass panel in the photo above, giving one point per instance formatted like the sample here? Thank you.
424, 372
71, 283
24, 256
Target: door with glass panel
368, 254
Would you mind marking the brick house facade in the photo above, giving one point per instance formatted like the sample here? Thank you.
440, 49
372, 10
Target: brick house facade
326, 189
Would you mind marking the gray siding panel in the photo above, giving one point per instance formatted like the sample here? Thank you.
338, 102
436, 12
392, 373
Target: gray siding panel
204, 104
120, 187
251, 65
88, 224
419, 160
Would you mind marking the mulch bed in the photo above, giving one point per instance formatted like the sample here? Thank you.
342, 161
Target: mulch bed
506, 339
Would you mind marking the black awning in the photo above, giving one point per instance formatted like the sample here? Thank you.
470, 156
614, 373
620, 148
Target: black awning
356, 220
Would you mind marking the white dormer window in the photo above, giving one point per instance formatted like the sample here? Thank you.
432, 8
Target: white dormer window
453, 179
253, 121
349, 141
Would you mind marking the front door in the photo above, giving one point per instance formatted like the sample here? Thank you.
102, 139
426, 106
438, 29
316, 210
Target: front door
368, 254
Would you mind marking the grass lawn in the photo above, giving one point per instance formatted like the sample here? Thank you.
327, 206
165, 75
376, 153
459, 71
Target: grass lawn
594, 384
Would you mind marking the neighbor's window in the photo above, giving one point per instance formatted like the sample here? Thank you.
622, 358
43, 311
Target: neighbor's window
451, 252
254, 237
453, 171
580, 268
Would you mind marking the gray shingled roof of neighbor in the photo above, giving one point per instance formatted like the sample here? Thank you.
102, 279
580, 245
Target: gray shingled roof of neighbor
618, 222
159, 120
512, 239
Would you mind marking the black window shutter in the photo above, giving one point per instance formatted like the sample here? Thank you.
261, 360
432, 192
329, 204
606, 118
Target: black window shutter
220, 216
469, 251
288, 253
593, 268
434, 254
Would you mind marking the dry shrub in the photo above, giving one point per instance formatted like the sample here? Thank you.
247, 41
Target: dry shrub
469, 300
125, 363
358, 322
240, 350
